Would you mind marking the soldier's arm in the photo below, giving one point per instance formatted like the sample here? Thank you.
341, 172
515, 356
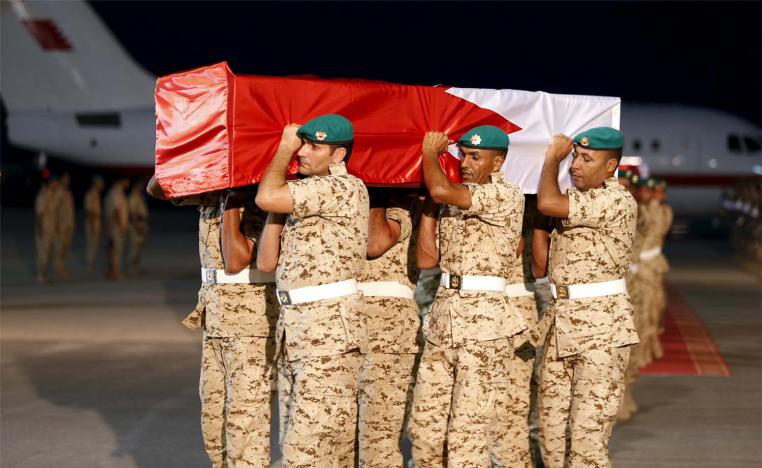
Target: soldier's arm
273, 195
540, 249
268, 247
427, 251
441, 189
383, 232
154, 189
550, 200
237, 249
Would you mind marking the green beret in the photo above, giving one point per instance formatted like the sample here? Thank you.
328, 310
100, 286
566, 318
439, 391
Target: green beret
329, 129
485, 137
645, 181
660, 182
600, 138
625, 174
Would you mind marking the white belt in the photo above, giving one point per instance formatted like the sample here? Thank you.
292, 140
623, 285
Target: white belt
519, 289
386, 289
317, 293
245, 276
582, 291
472, 282
634, 267
650, 254
543, 280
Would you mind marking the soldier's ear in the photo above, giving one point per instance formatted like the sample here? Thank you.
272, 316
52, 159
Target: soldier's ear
338, 154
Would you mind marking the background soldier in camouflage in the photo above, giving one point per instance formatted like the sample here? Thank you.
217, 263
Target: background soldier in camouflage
237, 310
93, 221
634, 289
388, 282
320, 253
138, 231
463, 378
586, 352
45, 227
117, 222
665, 224
65, 225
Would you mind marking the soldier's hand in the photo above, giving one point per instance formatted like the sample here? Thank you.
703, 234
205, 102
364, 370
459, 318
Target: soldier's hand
290, 140
559, 148
435, 143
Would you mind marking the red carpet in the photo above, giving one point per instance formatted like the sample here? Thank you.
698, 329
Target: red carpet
689, 349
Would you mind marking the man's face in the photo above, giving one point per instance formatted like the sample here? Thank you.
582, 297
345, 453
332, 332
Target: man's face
660, 193
314, 158
645, 194
477, 164
589, 168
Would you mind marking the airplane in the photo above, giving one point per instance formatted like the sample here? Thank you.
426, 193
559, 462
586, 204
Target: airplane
72, 90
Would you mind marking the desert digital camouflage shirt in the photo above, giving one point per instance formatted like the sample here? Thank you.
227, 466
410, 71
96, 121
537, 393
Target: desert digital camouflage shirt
230, 310
394, 323
521, 272
656, 229
324, 241
481, 240
593, 245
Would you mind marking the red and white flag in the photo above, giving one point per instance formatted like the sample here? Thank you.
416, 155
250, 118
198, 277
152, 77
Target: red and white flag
216, 130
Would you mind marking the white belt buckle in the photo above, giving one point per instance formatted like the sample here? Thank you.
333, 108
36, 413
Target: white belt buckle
284, 298
210, 276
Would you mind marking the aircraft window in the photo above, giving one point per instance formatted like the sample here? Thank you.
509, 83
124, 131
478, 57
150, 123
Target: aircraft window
752, 144
655, 145
734, 144
636, 145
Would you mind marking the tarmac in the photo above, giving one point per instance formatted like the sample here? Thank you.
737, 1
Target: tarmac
97, 373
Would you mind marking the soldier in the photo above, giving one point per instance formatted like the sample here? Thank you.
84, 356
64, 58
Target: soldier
117, 222
665, 216
586, 351
322, 332
388, 283
651, 267
93, 221
65, 225
637, 360
138, 230
45, 227
463, 380
515, 447
237, 310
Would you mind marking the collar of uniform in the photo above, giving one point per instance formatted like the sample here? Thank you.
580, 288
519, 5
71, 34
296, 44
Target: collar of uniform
337, 169
496, 177
611, 182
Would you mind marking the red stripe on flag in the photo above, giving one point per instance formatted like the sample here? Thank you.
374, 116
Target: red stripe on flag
47, 34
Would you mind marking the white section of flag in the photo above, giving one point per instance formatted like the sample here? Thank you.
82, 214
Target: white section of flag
540, 116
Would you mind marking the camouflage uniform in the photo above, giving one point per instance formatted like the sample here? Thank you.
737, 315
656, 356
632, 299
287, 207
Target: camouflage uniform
393, 325
464, 374
324, 241
93, 224
138, 231
586, 352
513, 418
665, 216
637, 297
117, 220
238, 351
650, 274
65, 225
44, 210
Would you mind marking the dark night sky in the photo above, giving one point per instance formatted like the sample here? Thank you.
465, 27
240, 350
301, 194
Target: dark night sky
705, 53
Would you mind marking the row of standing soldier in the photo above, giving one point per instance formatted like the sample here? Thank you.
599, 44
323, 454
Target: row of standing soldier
345, 352
125, 218
741, 212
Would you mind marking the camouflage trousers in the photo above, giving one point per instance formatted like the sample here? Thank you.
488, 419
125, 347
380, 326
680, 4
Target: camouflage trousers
321, 419
44, 243
92, 240
61, 249
235, 395
136, 241
386, 385
458, 395
578, 404
114, 251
